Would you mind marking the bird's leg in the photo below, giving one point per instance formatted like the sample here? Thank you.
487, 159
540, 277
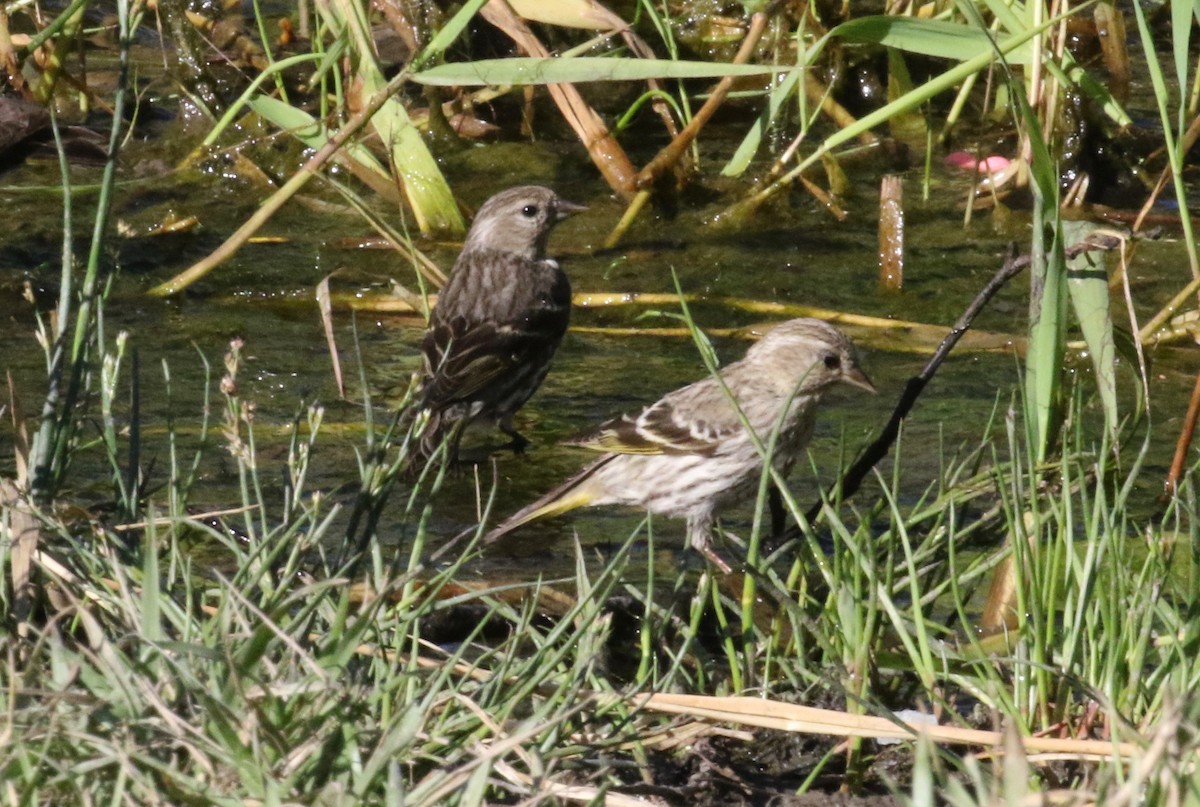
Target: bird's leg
778, 513
700, 538
779, 520
519, 442
716, 560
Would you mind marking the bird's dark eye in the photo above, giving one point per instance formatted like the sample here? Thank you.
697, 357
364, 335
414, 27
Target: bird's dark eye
833, 362
529, 211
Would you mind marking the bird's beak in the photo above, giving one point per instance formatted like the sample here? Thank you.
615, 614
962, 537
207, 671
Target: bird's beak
858, 378
563, 208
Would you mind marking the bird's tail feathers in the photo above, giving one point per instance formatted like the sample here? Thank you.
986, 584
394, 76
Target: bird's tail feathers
430, 434
571, 494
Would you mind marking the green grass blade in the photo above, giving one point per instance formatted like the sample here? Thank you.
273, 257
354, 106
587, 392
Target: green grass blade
938, 38
448, 33
309, 131
424, 186
1087, 283
557, 70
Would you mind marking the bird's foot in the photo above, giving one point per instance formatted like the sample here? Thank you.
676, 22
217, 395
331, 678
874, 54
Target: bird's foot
518, 443
710, 553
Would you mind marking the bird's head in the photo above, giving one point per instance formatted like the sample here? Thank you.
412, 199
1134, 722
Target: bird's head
810, 353
518, 221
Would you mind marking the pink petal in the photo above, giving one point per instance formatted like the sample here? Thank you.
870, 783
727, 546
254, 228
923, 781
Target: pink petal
993, 164
961, 159
967, 162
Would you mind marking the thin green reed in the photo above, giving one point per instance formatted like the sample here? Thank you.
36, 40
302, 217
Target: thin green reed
1174, 126
69, 365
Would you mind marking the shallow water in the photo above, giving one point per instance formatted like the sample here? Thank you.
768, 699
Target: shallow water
794, 252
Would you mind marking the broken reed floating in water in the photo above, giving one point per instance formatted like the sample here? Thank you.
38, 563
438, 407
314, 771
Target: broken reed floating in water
901, 335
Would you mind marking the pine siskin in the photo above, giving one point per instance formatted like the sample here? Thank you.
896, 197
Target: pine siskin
689, 455
499, 320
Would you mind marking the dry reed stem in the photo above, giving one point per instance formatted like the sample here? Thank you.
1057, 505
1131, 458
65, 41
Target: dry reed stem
275, 201
891, 233
21, 532
770, 714
606, 153
325, 306
670, 154
1184, 443
895, 334
1110, 27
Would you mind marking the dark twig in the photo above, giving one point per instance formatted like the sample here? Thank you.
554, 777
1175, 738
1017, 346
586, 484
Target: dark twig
853, 478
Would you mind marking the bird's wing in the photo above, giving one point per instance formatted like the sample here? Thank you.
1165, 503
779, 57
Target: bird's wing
462, 359
486, 335
693, 420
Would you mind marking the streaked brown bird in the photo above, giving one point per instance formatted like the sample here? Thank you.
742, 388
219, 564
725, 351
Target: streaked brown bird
499, 319
690, 455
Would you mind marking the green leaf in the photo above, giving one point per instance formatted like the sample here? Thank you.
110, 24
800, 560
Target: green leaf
1181, 27
944, 40
1071, 73
1047, 300
1087, 282
449, 32
941, 82
908, 123
422, 181
151, 615
1001, 10
740, 161
309, 131
560, 70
